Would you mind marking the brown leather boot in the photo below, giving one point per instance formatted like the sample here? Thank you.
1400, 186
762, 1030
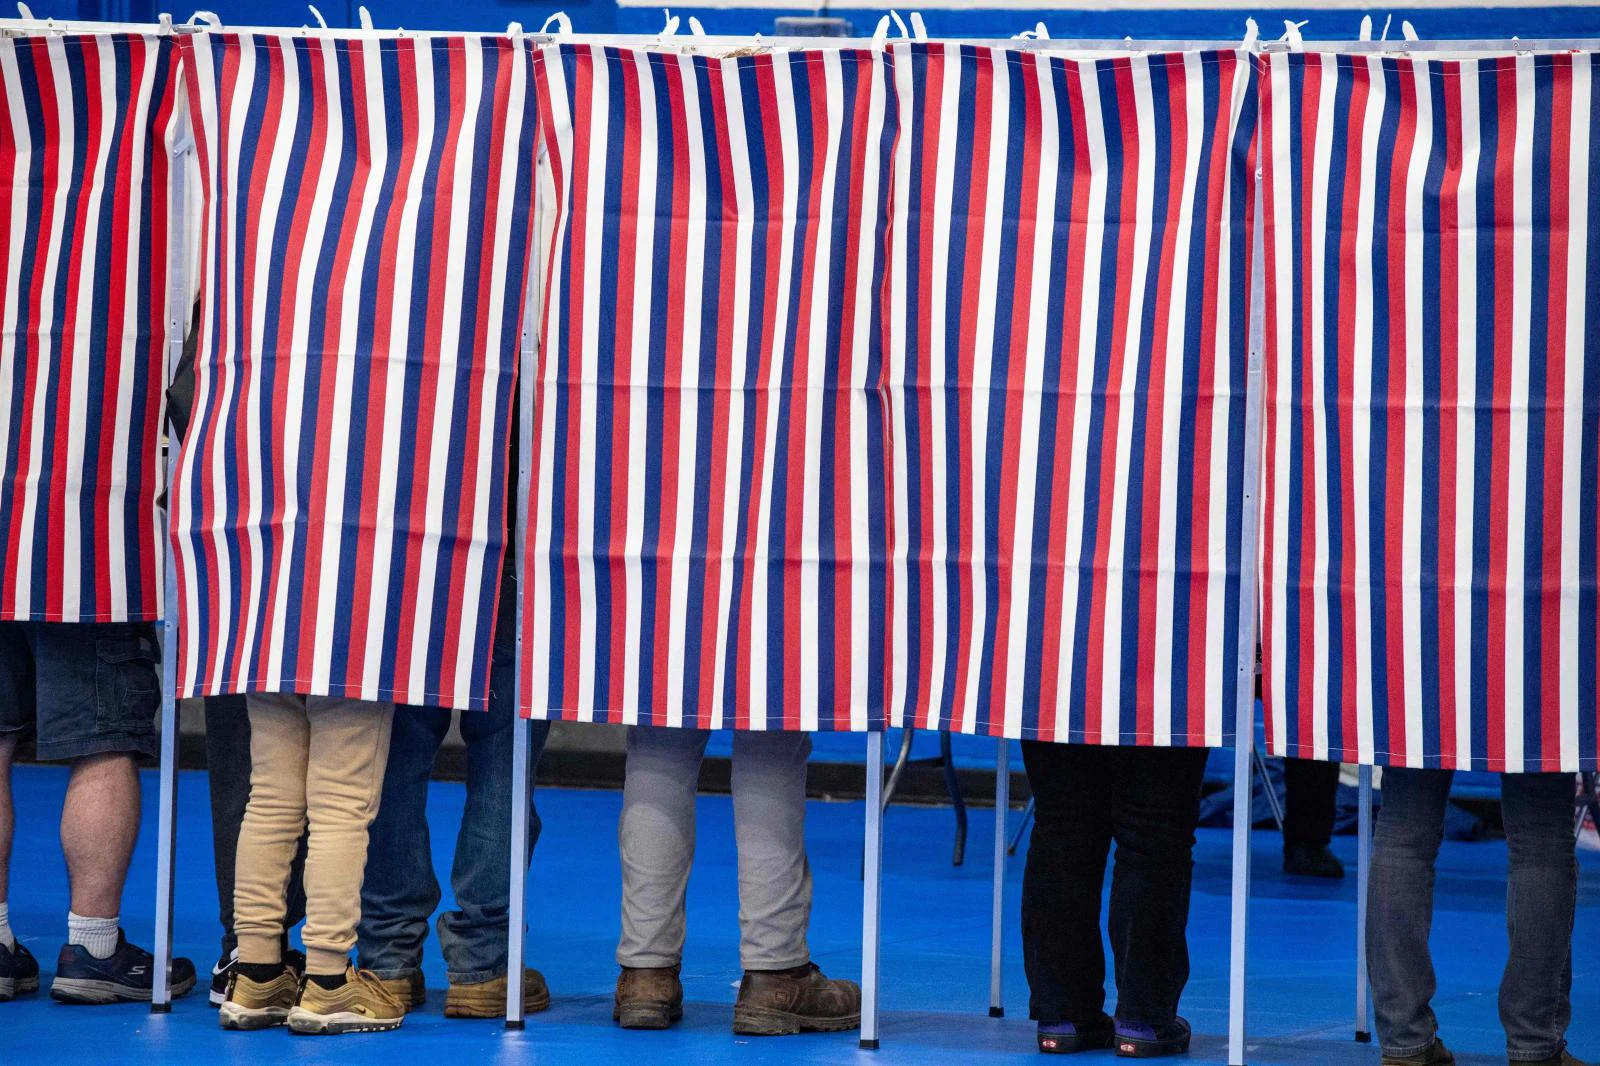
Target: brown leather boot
648, 998
801, 1000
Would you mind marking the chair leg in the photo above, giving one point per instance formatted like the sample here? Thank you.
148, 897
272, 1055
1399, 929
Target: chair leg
952, 784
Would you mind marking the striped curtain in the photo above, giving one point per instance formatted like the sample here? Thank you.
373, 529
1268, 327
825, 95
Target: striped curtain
1432, 466
709, 518
1069, 296
342, 490
84, 258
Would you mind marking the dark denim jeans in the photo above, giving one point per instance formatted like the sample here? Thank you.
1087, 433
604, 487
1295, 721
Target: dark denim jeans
1541, 895
1147, 800
401, 890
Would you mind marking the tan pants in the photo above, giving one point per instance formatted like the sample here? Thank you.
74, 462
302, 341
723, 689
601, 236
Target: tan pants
318, 758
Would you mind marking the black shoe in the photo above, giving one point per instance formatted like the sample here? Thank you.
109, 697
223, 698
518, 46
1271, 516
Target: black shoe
1436, 1054
126, 976
1065, 1038
1136, 1040
19, 972
1312, 860
223, 970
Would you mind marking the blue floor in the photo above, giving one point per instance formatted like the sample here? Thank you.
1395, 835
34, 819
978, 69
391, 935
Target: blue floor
935, 950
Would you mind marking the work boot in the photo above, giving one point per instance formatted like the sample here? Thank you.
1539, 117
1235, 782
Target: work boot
409, 990
487, 999
1435, 1054
1312, 860
648, 997
798, 1000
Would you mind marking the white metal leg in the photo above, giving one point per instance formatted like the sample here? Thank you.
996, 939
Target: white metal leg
872, 893
1244, 722
1002, 803
1363, 872
178, 306
515, 912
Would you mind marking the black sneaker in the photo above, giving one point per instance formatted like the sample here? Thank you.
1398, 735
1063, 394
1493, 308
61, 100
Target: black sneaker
1065, 1038
124, 977
19, 972
1312, 860
1137, 1040
223, 970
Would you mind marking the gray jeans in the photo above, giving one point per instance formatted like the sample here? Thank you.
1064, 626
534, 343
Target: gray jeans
656, 837
1541, 894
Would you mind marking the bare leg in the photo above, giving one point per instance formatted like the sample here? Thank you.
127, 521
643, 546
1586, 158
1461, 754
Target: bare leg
99, 825
8, 819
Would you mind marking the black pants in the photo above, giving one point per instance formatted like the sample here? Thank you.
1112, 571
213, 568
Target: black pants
1311, 792
228, 763
1147, 800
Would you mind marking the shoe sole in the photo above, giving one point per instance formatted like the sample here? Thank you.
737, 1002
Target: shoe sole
489, 1006
1071, 1045
233, 1016
306, 1023
646, 1016
81, 991
1151, 1049
12, 987
758, 1021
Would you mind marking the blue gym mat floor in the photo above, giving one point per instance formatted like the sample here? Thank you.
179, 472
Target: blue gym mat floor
935, 949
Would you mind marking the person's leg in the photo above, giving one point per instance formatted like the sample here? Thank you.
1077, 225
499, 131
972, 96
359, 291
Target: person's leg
1405, 843
473, 936
1063, 881
274, 821
1311, 796
400, 890
769, 812
1541, 899
99, 824
349, 747
8, 750
655, 836
1156, 807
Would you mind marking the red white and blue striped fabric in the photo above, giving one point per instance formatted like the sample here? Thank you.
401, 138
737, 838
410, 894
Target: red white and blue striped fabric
1432, 469
342, 488
84, 215
709, 532
1069, 290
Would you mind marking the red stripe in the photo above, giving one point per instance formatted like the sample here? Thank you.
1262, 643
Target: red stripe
1499, 481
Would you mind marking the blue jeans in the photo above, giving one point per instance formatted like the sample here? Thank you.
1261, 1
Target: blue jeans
1541, 896
401, 891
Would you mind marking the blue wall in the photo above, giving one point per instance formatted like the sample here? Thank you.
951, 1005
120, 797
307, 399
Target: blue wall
603, 16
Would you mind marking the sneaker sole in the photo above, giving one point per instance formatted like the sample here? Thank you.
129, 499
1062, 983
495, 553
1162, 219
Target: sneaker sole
84, 992
489, 1006
306, 1023
1071, 1045
11, 987
756, 1021
1151, 1049
646, 1016
233, 1016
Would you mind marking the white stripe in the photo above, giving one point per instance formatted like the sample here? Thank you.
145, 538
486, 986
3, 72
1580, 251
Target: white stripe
1572, 399
1470, 131
901, 407
1319, 492
1281, 318
10, 76
1411, 590
639, 399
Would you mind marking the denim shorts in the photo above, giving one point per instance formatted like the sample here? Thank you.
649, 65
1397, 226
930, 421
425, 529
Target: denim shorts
80, 688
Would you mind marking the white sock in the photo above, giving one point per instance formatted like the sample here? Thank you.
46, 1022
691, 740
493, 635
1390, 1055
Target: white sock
7, 939
97, 936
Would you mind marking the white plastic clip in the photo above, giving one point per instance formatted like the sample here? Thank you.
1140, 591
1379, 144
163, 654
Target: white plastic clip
318, 16
919, 28
1038, 33
22, 10
881, 34
1365, 33
562, 23
899, 24
1388, 20
208, 19
164, 22
514, 30
1252, 35
365, 17
695, 27
1291, 33
1409, 30
671, 28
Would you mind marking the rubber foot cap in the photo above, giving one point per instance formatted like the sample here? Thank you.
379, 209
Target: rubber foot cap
514, 1027
1363, 1037
869, 1045
161, 1008
997, 1012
